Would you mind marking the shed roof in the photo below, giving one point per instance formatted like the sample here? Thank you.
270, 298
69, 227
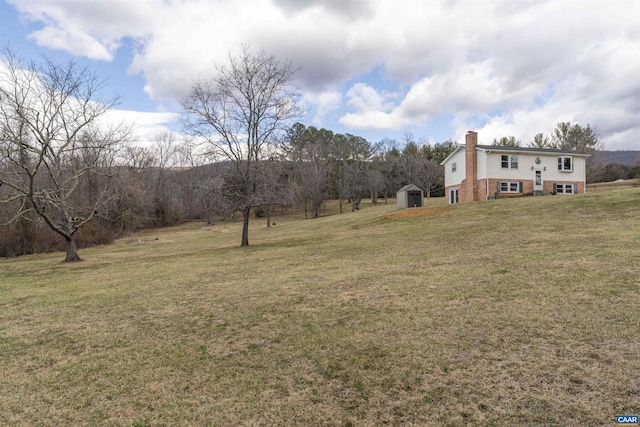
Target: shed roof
408, 187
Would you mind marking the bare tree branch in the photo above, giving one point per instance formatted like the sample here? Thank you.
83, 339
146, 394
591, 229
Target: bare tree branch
52, 145
239, 113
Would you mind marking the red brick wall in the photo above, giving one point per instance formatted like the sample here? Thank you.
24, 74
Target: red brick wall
480, 192
527, 187
469, 187
548, 185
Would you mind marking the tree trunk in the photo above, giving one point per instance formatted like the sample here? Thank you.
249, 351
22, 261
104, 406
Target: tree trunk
72, 253
245, 226
268, 217
340, 188
355, 206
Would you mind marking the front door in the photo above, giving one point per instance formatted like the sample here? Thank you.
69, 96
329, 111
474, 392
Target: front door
537, 182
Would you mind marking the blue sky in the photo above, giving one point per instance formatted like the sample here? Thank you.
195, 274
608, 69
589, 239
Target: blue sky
373, 68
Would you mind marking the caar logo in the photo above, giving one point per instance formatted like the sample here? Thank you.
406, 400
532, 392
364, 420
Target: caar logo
627, 420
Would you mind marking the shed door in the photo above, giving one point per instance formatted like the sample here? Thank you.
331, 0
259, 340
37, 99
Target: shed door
414, 199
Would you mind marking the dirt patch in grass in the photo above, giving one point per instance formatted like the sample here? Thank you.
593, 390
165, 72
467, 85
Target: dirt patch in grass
416, 213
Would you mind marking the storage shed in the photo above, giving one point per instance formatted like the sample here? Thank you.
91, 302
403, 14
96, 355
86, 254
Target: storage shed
409, 196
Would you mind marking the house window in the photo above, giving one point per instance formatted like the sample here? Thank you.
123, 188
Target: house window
510, 187
509, 162
565, 164
566, 188
454, 167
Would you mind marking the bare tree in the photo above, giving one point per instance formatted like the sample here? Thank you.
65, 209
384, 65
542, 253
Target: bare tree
52, 147
239, 113
356, 169
309, 150
272, 186
389, 165
165, 154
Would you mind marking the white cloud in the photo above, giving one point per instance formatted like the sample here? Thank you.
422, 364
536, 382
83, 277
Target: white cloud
374, 120
79, 43
92, 28
464, 91
323, 103
364, 98
145, 126
517, 66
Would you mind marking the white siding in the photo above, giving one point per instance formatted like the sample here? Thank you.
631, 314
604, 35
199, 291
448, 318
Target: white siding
455, 178
482, 164
527, 161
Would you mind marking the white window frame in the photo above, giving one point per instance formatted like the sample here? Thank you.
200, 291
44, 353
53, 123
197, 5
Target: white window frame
511, 161
562, 167
454, 167
454, 195
562, 187
509, 186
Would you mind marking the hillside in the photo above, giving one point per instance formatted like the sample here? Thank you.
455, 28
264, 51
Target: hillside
509, 312
623, 157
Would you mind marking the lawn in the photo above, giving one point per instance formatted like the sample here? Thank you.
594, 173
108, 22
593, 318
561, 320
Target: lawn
509, 312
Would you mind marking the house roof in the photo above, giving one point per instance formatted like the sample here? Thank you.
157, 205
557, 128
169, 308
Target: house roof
501, 149
498, 148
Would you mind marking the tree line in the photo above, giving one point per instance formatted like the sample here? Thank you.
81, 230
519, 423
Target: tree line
65, 172
569, 136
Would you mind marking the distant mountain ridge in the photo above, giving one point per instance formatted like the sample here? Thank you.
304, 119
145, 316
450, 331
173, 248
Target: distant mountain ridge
623, 157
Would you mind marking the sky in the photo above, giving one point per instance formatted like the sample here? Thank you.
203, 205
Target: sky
432, 69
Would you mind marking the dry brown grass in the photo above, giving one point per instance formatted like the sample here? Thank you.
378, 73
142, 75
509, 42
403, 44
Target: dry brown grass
416, 213
619, 184
510, 312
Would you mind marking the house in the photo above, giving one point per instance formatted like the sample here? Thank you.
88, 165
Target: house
480, 172
409, 196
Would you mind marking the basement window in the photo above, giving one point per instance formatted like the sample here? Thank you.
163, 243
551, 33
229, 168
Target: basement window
509, 161
565, 164
510, 187
565, 188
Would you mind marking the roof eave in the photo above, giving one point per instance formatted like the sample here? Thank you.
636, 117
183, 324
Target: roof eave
498, 149
453, 153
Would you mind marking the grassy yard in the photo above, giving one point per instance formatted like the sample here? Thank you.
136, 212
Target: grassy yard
510, 312
607, 186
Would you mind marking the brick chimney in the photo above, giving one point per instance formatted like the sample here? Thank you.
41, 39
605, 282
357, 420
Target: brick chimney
470, 183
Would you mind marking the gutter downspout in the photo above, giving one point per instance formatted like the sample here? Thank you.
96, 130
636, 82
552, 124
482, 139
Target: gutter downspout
584, 175
486, 175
